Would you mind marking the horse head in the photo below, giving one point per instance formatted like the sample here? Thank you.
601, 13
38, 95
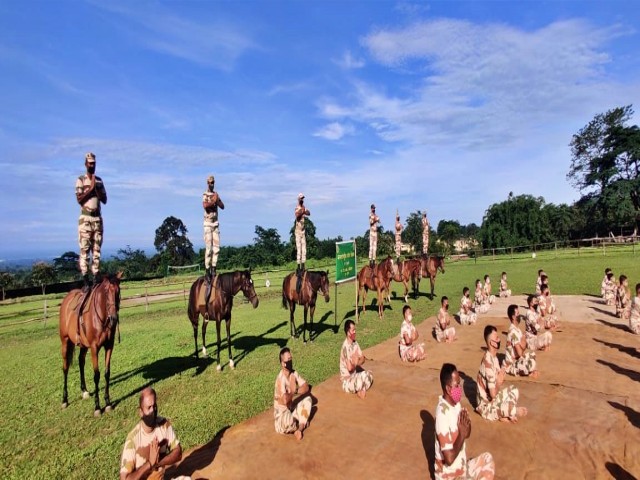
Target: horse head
440, 263
324, 285
248, 288
109, 287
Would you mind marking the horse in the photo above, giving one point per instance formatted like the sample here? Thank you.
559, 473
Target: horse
312, 281
382, 274
404, 271
223, 289
430, 266
94, 330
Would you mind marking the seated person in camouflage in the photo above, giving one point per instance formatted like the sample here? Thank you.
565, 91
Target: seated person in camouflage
550, 304
609, 288
443, 331
152, 445
409, 349
549, 320
487, 290
518, 360
355, 379
623, 298
495, 403
481, 303
290, 416
634, 314
467, 313
505, 291
539, 281
536, 338
607, 271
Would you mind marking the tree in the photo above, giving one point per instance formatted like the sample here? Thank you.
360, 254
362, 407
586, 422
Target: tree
43, 274
6, 280
312, 240
133, 263
172, 244
412, 233
67, 265
605, 164
268, 248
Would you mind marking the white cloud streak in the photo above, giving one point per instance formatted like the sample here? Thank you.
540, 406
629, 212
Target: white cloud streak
334, 131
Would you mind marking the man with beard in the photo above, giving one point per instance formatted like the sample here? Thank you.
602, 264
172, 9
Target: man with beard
152, 445
90, 193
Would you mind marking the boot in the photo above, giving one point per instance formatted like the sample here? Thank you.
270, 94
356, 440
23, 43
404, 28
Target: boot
97, 278
303, 268
86, 283
212, 273
298, 278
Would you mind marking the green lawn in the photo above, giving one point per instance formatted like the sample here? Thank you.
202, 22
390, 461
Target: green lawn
39, 439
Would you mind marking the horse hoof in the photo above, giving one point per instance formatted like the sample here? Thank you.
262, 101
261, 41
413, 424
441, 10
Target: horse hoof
219, 368
232, 365
204, 353
97, 413
85, 395
108, 408
64, 405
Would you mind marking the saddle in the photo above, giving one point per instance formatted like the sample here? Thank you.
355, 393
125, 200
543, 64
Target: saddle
207, 295
80, 307
300, 281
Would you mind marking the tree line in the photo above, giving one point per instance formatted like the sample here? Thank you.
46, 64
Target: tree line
605, 168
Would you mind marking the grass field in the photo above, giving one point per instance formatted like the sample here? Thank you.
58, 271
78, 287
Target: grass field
39, 439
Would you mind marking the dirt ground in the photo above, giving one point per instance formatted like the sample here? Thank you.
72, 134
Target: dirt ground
583, 422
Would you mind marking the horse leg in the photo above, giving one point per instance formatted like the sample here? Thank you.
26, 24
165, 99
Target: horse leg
195, 339
304, 325
67, 356
292, 320
433, 283
312, 309
204, 343
96, 380
406, 290
107, 375
81, 360
231, 364
218, 366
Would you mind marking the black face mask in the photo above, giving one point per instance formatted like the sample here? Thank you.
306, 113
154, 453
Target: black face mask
497, 344
211, 185
289, 365
150, 420
91, 169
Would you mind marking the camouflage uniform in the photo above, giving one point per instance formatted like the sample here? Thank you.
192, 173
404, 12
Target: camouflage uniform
301, 238
409, 352
609, 291
446, 432
550, 320
359, 379
398, 238
536, 340
211, 231
466, 313
504, 291
285, 420
425, 235
373, 236
136, 447
442, 330
538, 285
486, 291
634, 315
90, 226
482, 305
622, 302
515, 365
505, 403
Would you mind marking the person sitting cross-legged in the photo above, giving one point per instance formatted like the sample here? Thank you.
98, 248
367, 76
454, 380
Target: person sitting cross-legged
467, 313
355, 379
410, 350
290, 416
494, 402
443, 331
518, 359
535, 339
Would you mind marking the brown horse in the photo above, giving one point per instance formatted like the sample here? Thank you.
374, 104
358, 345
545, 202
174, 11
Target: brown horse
382, 274
95, 330
312, 281
225, 286
405, 271
430, 266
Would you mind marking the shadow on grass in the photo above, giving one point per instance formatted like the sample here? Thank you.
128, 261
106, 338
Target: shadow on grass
470, 388
632, 374
604, 312
628, 350
618, 472
198, 459
428, 440
632, 415
248, 343
619, 326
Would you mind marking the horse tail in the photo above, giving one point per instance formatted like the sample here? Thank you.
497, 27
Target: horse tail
285, 299
191, 308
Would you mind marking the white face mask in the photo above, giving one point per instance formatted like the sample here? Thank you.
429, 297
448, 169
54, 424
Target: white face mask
409, 318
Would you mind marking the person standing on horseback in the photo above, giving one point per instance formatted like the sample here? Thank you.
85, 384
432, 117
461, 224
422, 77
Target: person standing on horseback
398, 235
374, 220
301, 239
90, 193
425, 234
211, 202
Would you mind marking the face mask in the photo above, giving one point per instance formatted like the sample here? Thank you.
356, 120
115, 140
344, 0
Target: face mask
91, 169
149, 420
456, 394
289, 365
409, 318
446, 307
497, 344
211, 185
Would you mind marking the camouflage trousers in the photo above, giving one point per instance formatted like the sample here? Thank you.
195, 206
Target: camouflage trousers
287, 421
468, 318
481, 467
411, 353
482, 308
425, 244
212, 245
505, 293
550, 321
538, 342
357, 381
503, 406
609, 297
524, 365
301, 247
90, 240
373, 246
442, 335
398, 248
634, 324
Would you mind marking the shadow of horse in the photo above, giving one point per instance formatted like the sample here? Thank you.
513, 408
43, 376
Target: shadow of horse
619, 326
200, 458
248, 343
428, 440
632, 415
632, 374
634, 352
323, 325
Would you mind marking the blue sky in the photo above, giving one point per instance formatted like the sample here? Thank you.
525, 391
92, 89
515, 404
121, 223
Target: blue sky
443, 106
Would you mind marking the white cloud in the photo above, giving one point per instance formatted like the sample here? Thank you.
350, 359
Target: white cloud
348, 61
334, 131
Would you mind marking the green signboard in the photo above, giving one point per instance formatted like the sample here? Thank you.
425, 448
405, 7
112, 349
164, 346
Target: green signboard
345, 261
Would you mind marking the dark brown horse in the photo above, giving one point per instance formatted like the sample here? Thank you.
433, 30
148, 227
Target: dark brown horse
403, 272
224, 287
379, 281
312, 281
95, 330
430, 266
